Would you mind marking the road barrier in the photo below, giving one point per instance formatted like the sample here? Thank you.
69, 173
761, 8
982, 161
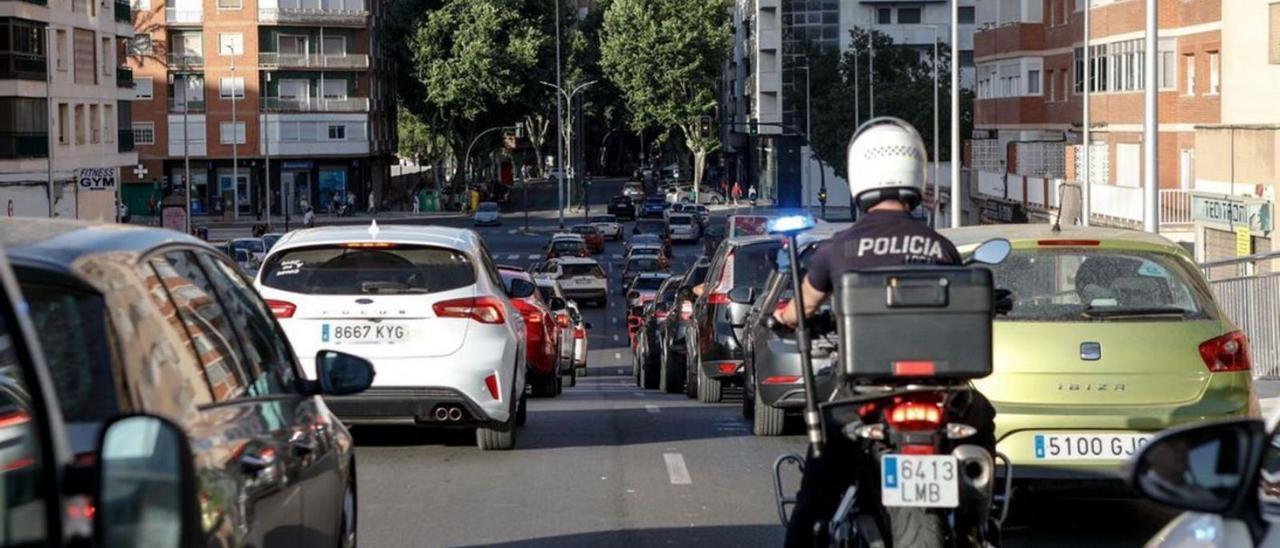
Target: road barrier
1248, 291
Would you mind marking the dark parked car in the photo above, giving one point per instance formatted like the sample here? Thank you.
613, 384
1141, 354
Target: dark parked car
711, 238
772, 384
657, 313
671, 358
622, 207
713, 342
164, 324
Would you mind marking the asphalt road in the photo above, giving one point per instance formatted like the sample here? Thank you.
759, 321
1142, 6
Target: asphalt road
609, 464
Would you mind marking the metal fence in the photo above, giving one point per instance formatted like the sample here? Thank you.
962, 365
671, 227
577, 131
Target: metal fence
1248, 291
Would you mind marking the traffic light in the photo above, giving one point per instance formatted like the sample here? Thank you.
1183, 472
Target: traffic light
822, 196
753, 127
704, 126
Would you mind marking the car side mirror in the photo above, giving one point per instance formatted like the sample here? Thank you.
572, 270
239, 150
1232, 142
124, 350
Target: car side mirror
521, 289
633, 295
342, 374
1205, 467
742, 295
146, 490
991, 252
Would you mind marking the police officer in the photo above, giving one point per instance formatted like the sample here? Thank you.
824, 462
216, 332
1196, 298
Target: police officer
887, 163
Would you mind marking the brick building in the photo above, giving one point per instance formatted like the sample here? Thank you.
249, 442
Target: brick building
304, 84
1031, 79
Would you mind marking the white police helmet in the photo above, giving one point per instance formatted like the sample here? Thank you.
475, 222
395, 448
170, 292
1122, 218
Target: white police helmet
887, 161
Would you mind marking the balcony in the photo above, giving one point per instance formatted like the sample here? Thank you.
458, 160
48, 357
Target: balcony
124, 12
23, 66
312, 16
124, 77
186, 60
37, 2
272, 60
183, 16
176, 106
125, 138
351, 104
24, 144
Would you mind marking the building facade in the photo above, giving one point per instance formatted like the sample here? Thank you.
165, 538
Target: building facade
285, 104
64, 99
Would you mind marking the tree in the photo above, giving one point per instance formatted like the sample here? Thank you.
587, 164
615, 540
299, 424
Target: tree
665, 57
421, 142
903, 88
478, 63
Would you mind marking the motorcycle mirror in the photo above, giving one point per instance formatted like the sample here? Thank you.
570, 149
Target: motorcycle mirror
991, 252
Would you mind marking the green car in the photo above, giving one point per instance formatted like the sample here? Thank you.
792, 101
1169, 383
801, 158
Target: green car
1114, 335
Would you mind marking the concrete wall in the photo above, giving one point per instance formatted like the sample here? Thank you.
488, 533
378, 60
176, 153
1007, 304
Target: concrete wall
1237, 160
1249, 81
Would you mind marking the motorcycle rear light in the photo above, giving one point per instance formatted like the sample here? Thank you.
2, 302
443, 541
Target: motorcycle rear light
1228, 353
281, 309
918, 450
718, 298
957, 431
727, 368
491, 383
913, 369
486, 310
562, 320
915, 416
870, 431
782, 379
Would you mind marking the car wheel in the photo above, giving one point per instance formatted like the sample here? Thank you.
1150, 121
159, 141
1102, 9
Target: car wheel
649, 373
347, 531
767, 419
522, 411
571, 380
709, 389
544, 386
498, 436
748, 400
559, 380
690, 379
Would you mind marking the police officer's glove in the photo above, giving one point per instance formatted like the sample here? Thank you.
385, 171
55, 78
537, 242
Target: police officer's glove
1004, 300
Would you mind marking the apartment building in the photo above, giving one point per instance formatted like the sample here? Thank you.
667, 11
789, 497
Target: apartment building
64, 98
1031, 67
302, 85
765, 80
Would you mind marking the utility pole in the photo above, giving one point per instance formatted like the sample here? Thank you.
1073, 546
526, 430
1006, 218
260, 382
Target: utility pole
937, 152
957, 204
871, 70
235, 142
1151, 127
559, 123
1085, 190
266, 148
186, 147
857, 103
51, 104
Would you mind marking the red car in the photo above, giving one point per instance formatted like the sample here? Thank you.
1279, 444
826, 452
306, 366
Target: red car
591, 235
542, 334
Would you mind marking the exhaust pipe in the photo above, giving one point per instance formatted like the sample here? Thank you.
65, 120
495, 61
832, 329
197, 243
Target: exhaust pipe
977, 484
455, 414
442, 413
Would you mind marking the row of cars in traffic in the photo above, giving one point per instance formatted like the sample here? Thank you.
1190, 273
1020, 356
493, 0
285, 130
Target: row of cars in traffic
1113, 337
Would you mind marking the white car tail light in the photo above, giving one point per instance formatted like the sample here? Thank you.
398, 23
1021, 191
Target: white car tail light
487, 310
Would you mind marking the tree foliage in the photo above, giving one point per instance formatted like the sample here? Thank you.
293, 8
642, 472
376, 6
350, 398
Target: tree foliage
903, 88
665, 57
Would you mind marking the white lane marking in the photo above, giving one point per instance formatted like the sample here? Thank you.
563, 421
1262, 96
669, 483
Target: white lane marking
652, 408
617, 355
622, 372
617, 256
512, 257
637, 393
615, 338
534, 257
676, 470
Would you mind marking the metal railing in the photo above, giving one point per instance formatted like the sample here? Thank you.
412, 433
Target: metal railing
312, 15
186, 60
313, 60
351, 104
23, 66
24, 144
1175, 207
1248, 291
175, 16
124, 12
193, 106
124, 77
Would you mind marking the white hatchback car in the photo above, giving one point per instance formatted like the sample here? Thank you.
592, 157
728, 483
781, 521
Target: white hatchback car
683, 227
583, 280
608, 226
425, 304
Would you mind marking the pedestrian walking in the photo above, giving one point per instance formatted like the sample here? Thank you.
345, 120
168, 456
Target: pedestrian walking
309, 218
751, 195
372, 209
151, 210
416, 204
737, 193
122, 212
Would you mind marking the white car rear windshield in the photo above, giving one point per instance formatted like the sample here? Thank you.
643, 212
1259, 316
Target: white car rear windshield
643, 265
647, 284
575, 270
1074, 285
681, 220
347, 270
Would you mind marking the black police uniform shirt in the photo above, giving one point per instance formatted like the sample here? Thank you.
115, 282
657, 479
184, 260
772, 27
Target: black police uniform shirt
880, 239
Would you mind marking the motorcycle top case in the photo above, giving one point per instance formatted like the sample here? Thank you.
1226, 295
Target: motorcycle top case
915, 322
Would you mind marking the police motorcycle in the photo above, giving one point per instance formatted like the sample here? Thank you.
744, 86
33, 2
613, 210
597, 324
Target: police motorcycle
923, 481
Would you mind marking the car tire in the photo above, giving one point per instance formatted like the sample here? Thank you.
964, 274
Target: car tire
498, 436
709, 389
580, 372
544, 386
522, 410
347, 525
915, 527
570, 380
767, 420
690, 380
559, 380
649, 373
748, 400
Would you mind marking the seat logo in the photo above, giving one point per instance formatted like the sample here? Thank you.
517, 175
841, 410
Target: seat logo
1090, 351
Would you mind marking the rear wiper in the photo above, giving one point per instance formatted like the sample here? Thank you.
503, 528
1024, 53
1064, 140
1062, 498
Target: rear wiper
1108, 312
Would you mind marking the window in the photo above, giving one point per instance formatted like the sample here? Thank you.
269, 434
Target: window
1033, 82
1079, 70
79, 125
60, 49
1189, 62
143, 87
1053, 86
108, 123
337, 132
207, 322
108, 64
290, 44
1168, 70
1215, 82
884, 16
95, 125
64, 123
141, 5
140, 45
230, 4
908, 16
334, 45
225, 131
227, 87
85, 57
966, 15
271, 367
331, 270
144, 133
335, 89
58, 312
230, 43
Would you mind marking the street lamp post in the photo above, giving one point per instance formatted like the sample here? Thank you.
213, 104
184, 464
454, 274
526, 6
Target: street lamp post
186, 152
266, 154
956, 204
559, 121
937, 157
808, 135
1086, 211
568, 96
1150, 128
235, 142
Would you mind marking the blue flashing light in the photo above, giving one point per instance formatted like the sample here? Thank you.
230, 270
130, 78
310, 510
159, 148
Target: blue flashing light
790, 224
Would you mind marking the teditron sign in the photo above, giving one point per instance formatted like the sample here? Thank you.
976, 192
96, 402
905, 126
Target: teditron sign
1232, 211
96, 178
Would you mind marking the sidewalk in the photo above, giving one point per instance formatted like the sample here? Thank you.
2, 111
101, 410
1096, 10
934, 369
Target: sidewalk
1268, 391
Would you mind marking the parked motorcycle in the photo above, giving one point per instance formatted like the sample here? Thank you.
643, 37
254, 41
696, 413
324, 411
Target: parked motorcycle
925, 477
